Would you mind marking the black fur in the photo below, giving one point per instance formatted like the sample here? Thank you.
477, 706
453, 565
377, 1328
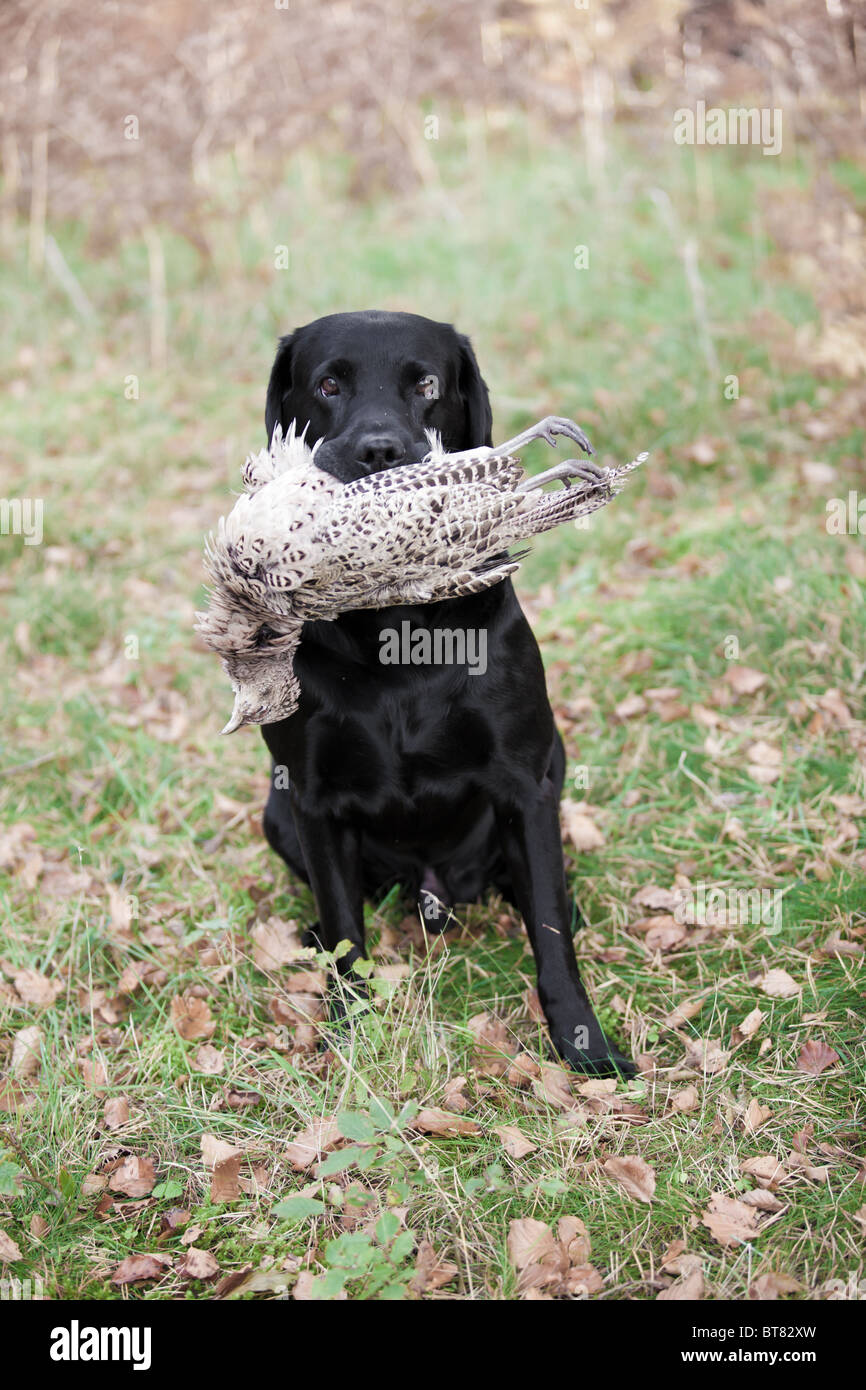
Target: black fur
445, 782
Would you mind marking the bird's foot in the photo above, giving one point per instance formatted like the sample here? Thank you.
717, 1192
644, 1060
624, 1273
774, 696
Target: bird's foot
547, 429
590, 473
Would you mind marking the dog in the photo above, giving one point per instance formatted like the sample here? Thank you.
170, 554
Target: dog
442, 779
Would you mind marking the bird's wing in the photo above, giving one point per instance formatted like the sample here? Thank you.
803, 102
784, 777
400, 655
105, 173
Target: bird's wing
499, 471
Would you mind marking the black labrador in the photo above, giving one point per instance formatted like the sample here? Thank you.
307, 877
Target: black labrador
436, 777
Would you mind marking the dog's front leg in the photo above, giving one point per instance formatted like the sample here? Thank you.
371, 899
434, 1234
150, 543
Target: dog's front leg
530, 837
332, 854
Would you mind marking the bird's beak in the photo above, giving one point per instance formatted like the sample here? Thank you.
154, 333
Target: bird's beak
238, 717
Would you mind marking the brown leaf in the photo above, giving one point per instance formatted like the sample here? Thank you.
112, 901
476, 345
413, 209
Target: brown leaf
815, 1056
198, 1264
748, 1028
310, 1145
116, 1112
191, 1017
515, 1141
34, 988
444, 1122
630, 707
8, 1249
26, 1052
681, 1013
634, 1175
581, 830
523, 1070
686, 1100
665, 933
554, 1086
744, 680
431, 1271
39, 1227
766, 1169
224, 1161
493, 1045
762, 1199
136, 1268
655, 899
690, 1286
778, 984
706, 1055
93, 1071
275, 943
756, 1115
769, 1286
452, 1094
529, 1241
135, 1177
210, 1060
730, 1221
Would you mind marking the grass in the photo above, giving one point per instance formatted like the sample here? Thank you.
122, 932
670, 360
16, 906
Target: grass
111, 755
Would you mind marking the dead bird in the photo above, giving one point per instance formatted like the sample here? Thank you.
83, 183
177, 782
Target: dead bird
300, 545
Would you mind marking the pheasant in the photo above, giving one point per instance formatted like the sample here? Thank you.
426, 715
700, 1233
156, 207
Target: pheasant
300, 545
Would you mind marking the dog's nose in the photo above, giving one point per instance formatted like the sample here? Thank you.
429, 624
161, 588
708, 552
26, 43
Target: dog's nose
376, 451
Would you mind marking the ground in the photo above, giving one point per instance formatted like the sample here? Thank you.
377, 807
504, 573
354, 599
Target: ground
703, 640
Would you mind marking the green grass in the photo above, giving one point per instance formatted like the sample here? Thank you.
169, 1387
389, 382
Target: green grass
117, 766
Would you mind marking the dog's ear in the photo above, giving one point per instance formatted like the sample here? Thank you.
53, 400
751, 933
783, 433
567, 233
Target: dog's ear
279, 385
479, 416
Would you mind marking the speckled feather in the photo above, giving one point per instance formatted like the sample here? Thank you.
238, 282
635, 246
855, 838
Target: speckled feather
301, 545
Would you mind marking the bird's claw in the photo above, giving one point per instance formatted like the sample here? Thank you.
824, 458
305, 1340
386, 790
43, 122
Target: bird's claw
547, 429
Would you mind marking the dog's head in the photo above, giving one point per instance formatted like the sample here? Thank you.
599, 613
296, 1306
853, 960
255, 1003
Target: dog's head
369, 384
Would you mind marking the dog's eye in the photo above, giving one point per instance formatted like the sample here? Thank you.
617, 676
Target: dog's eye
329, 387
428, 387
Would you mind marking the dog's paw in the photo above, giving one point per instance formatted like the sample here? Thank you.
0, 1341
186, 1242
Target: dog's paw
601, 1059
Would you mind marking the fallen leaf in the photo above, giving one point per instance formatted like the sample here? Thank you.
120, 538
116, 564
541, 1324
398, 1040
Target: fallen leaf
515, 1141
655, 899
756, 1115
778, 984
630, 707
765, 1169
493, 1046
686, 1100
730, 1221
26, 1052
34, 988
744, 680
224, 1162
431, 1271
210, 1060
769, 1286
580, 828
443, 1122
311, 1144
706, 1055
135, 1177
529, 1241
116, 1112
815, 1056
749, 1026
690, 1286
136, 1268
275, 943
197, 1264
191, 1017
634, 1175
8, 1249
